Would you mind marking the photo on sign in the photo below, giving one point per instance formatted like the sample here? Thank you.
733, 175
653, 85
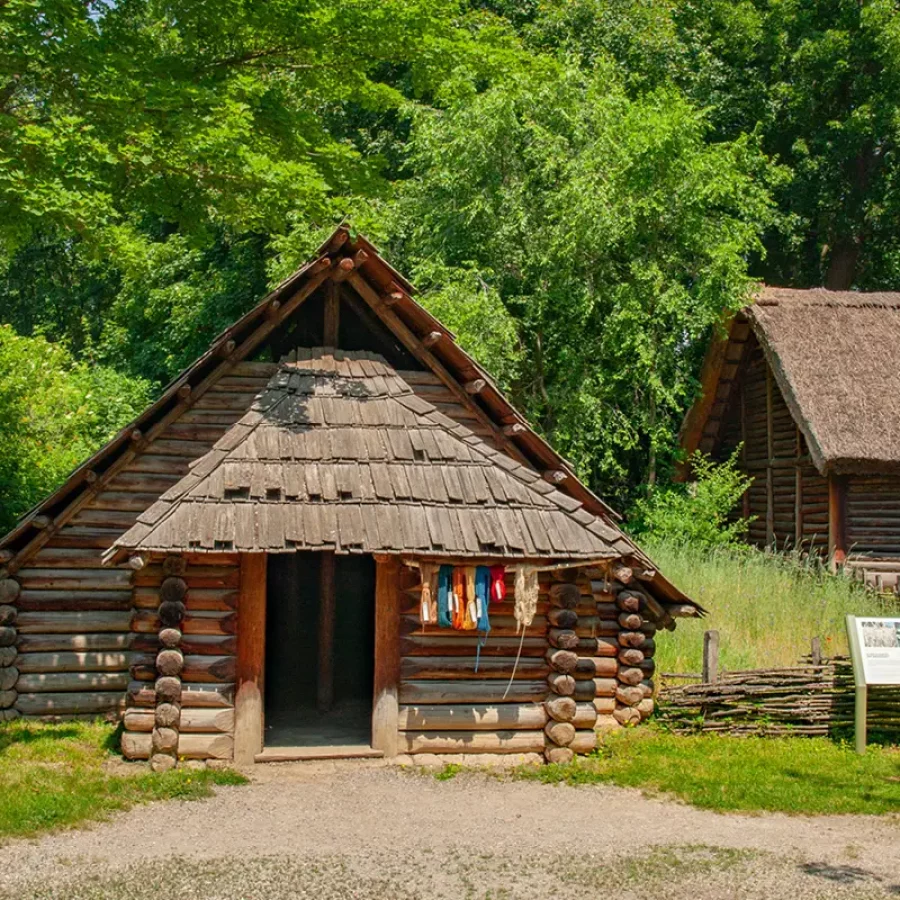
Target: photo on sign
881, 634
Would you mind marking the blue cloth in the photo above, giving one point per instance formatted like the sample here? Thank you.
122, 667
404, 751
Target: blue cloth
482, 596
445, 586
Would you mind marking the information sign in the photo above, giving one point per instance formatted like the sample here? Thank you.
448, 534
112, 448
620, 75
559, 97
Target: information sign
875, 650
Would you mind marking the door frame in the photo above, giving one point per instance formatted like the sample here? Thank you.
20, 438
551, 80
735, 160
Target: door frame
249, 701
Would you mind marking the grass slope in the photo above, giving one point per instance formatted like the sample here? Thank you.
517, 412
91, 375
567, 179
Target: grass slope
55, 775
792, 775
766, 608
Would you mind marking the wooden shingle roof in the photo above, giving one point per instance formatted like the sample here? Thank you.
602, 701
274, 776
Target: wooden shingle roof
339, 453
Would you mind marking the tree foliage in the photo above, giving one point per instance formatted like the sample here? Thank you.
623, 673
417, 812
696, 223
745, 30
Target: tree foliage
54, 412
614, 234
583, 187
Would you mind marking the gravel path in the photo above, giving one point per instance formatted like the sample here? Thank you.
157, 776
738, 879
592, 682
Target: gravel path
344, 830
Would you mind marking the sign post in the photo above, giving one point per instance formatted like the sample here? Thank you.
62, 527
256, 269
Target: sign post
875, 651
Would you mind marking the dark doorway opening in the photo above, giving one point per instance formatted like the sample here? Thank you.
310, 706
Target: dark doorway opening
293, 608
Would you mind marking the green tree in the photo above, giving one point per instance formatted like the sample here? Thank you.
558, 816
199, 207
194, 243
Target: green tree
817, 80
614, 234
54, 412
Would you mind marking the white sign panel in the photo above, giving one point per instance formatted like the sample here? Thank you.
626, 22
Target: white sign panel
879, 649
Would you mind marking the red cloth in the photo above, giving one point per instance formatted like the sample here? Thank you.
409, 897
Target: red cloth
498, 583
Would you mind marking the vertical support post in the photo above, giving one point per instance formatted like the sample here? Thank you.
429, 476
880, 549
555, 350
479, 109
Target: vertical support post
770, 455
837, 541
798, 494
745, 500
710, 656
332, 314
386, 704
861, 704
251, 654
859, 719
325, 684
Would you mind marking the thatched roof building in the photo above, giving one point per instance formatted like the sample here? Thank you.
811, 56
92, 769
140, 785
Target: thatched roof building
805, 378
332, 535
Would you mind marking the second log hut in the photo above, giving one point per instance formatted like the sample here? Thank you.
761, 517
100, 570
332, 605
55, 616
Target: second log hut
238, 575
804, 381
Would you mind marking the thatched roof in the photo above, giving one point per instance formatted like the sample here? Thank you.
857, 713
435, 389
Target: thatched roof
836, 358
339, 453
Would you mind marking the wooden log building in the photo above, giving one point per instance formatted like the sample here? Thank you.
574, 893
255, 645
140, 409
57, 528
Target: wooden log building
238, 574
805, 381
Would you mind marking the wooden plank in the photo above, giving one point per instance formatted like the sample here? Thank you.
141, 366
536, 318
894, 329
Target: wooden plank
251, 652
66, 704
72, 622
385, 709
57, 682
325, 681
428, 692
473, 742
449, 717
75, 661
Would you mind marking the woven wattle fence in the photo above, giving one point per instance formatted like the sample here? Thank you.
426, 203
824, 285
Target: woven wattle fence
806, 699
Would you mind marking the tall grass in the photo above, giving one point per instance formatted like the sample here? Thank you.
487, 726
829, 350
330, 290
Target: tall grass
766, 607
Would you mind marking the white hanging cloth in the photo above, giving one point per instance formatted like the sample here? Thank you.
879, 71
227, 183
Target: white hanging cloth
526, 591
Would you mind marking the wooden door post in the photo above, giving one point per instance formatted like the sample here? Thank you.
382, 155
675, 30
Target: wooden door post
837, 523
325, 683
386, 706
251, 655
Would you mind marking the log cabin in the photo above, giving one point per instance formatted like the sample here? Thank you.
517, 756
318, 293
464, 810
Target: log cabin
239, 574
804, 381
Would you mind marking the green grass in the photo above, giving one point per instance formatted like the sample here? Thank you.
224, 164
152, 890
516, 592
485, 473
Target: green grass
57, 775
767, 608
812, 776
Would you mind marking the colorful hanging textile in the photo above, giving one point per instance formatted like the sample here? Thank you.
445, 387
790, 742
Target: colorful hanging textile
482, 594
498, 583
482, 598
458, 608
470, 619
445, 596
428, 603
526, 595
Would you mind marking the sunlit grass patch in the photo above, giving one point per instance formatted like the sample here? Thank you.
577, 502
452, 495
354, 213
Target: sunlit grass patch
56, 775
750, 774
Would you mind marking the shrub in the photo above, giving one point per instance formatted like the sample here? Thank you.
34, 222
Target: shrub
700, 513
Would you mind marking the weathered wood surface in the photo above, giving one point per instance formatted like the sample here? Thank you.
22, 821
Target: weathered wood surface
190, 720
250, 663
807, 699
137, 745
465, 717
473, 742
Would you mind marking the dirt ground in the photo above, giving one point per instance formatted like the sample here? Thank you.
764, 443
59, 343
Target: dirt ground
331, 831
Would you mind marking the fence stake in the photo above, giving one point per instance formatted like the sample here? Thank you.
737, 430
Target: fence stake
816, 654
710, 656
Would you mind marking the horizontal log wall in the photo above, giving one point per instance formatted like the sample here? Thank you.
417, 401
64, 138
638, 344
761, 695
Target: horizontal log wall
79, 626
448, 707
